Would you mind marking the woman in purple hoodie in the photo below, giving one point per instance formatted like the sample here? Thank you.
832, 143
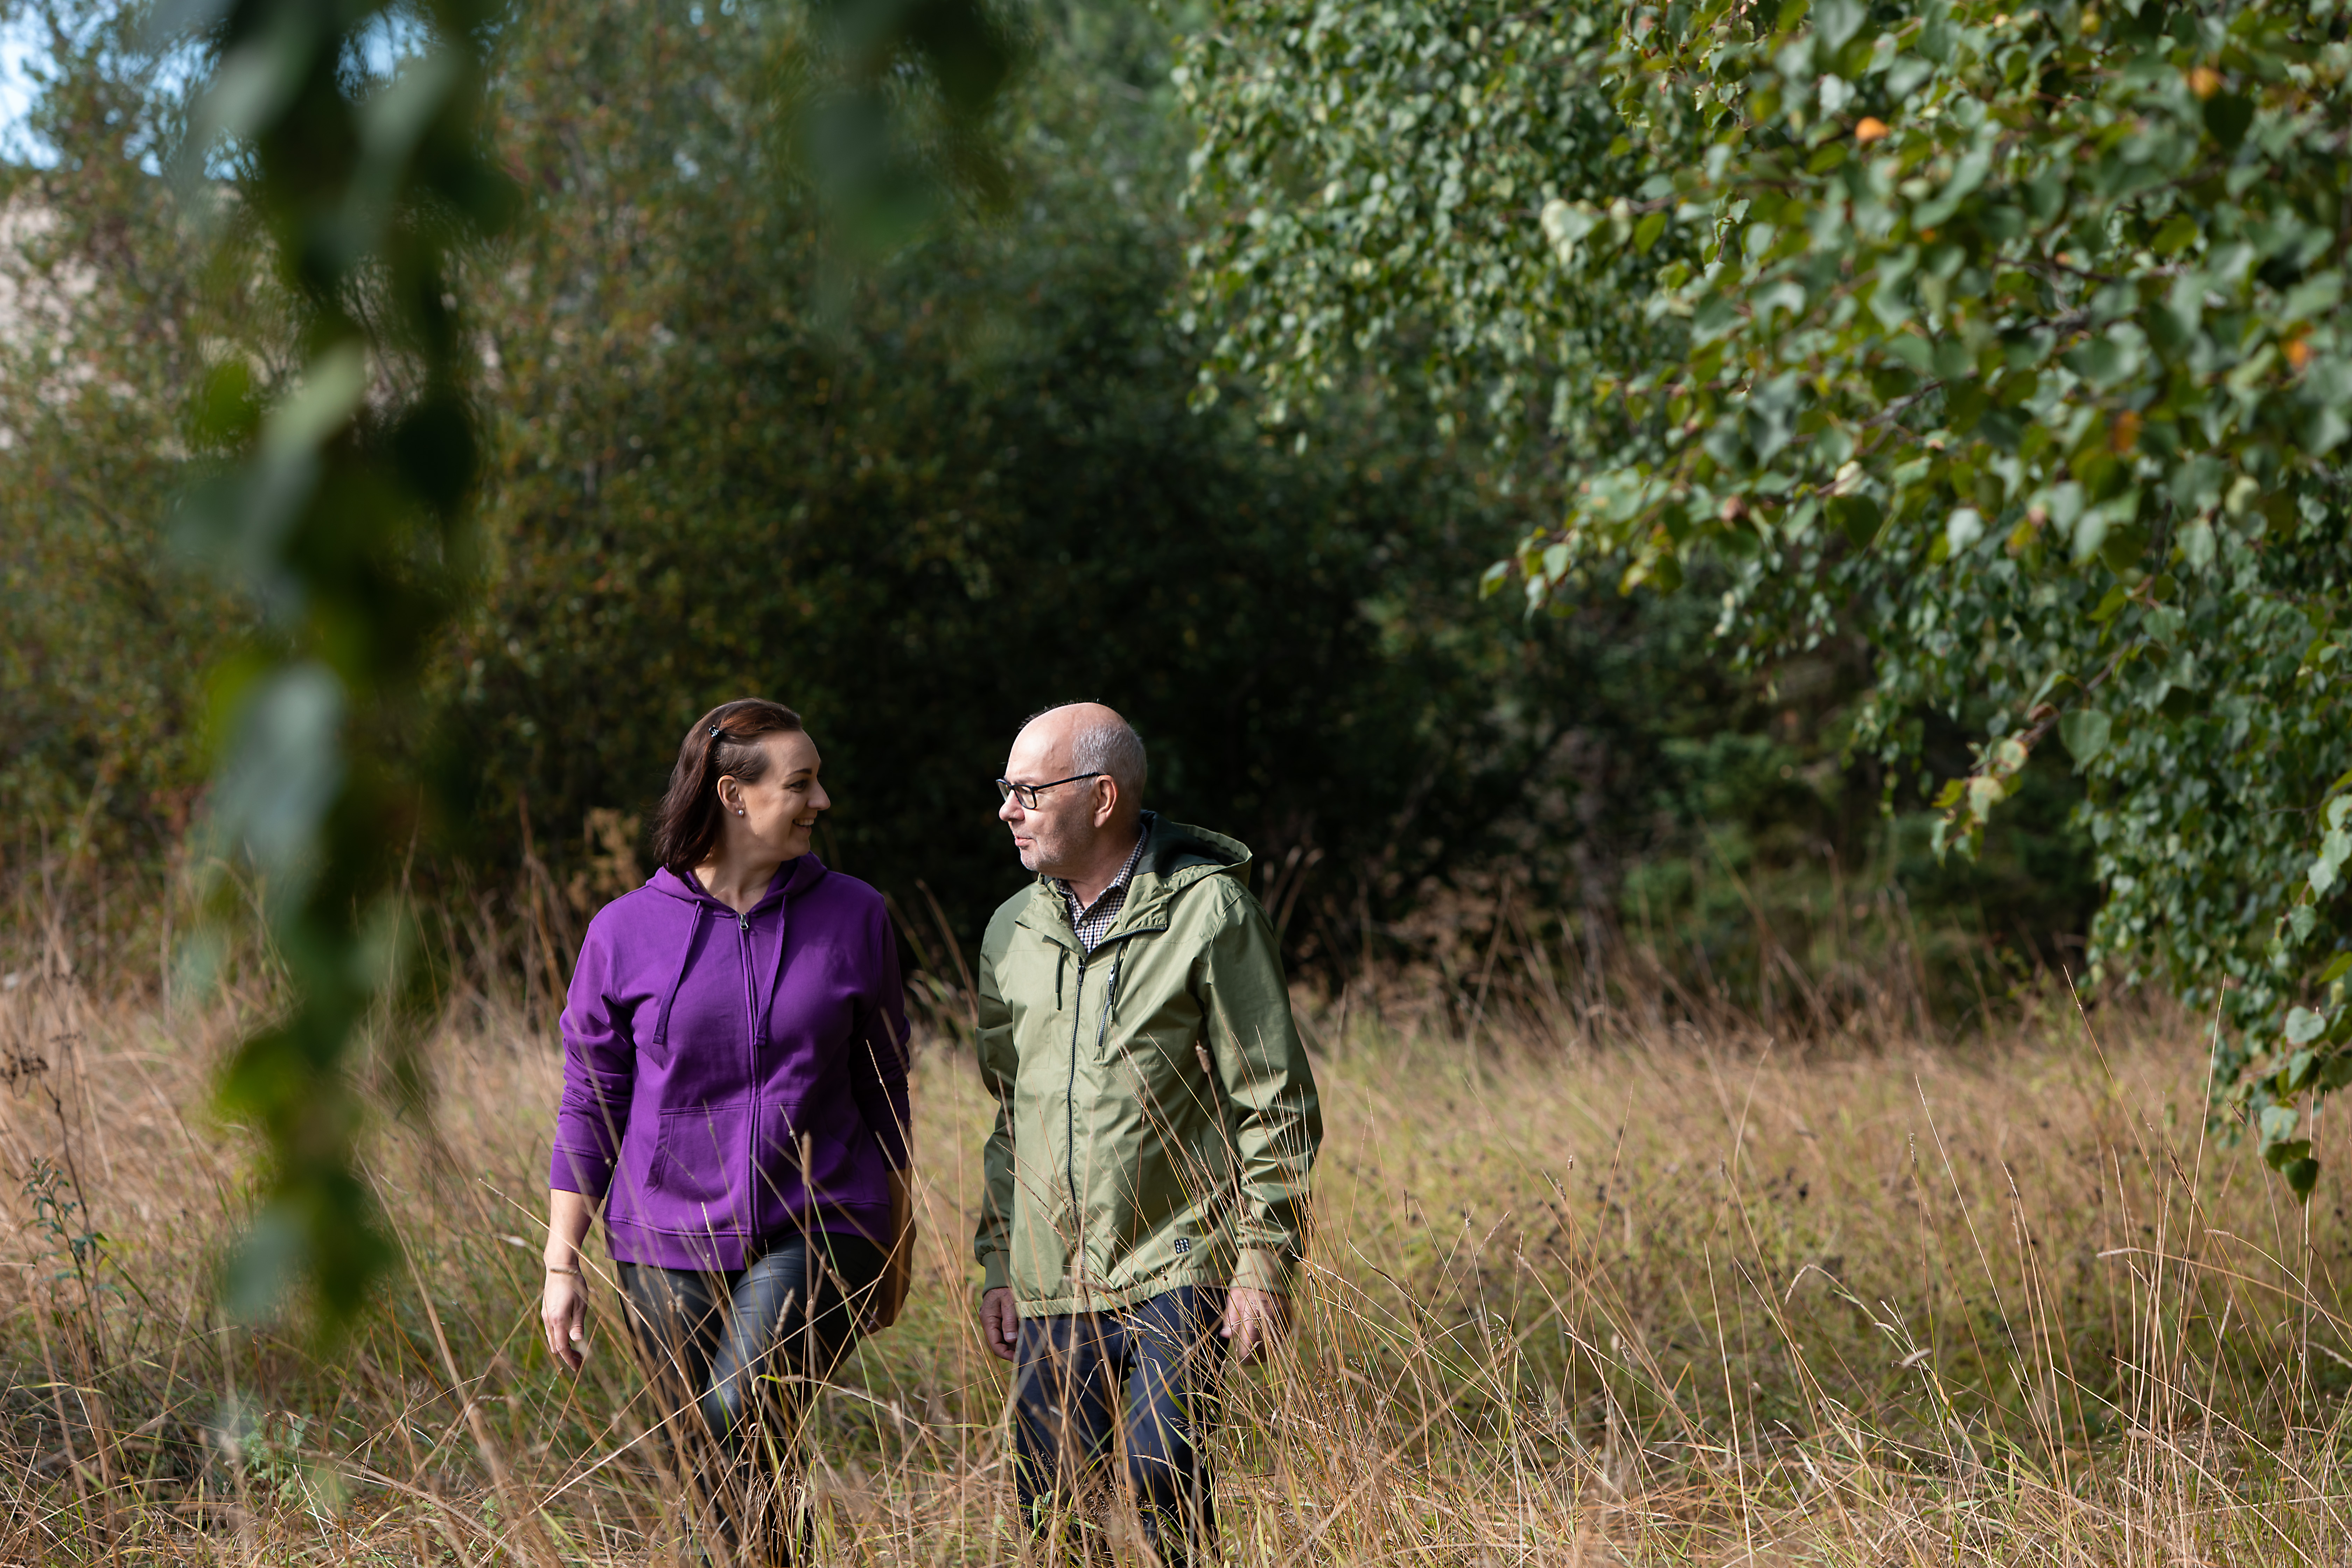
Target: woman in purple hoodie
735, 1098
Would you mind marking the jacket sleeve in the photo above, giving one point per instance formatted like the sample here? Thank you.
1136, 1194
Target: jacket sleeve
1277, 1119
1000, 1067
600, 1074
878, 1061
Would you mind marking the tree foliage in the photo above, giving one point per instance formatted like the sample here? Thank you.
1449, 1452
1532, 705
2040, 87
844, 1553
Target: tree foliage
2017, 341
964, 488
920, 492
341, 500
103, 317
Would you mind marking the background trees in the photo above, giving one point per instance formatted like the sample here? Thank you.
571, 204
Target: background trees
2014, 343
921, 496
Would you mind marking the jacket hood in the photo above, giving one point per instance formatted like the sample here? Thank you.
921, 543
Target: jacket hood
1171, 848
791, 876
1177, 855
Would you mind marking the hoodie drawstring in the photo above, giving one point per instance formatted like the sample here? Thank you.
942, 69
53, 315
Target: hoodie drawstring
775, 981
684, 957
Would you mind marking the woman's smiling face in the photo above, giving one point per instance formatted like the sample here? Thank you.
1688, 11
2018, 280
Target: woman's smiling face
778, 811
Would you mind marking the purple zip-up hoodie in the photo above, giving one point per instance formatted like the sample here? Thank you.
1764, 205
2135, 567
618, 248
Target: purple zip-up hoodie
730, 1080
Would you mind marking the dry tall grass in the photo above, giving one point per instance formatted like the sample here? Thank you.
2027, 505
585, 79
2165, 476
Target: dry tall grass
1605, 1289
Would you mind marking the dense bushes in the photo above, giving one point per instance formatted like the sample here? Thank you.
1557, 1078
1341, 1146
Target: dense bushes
919, 500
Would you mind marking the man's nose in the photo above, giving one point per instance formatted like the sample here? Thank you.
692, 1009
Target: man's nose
1009, 811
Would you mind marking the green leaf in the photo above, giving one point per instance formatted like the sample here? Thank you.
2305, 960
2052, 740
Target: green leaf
2227, 117
2302, 1177
1857, 517
1914, 351
2304, 1026
2175, 235
1646, 232
2196, 544
2084, 733
1835, 21
2280, 1156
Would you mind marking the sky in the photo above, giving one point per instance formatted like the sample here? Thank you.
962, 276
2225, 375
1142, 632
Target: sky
23, 48
17, 49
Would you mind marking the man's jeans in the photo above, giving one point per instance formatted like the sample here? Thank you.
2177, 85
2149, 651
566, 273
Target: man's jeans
1165, 1355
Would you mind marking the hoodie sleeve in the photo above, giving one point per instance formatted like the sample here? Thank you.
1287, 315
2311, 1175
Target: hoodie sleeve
879, 1072
1000, 1069
600, 1072
1278, 1117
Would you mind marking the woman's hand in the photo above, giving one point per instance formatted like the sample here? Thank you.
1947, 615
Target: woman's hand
563, 1298
564, 1312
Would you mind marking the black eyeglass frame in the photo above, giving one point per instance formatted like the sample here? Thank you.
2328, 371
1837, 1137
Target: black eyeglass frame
1027, 794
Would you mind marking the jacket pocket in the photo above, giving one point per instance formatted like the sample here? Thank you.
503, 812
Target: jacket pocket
699, 1157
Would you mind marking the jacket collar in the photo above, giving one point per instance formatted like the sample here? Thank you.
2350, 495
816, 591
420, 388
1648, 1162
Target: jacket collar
1176, 855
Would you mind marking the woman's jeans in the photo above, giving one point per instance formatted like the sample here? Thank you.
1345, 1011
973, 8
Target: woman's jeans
1165, 1356
731, 1358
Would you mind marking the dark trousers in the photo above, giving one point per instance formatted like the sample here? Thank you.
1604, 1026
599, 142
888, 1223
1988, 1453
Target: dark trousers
1165, 1356
731, 1357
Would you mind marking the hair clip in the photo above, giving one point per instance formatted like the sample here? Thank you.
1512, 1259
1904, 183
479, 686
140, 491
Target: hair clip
714, 732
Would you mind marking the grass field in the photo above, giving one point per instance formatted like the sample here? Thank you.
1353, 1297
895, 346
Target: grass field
1590, 1288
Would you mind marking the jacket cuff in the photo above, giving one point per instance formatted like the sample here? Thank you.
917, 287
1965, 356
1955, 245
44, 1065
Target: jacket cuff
993, 1275
1258, 1268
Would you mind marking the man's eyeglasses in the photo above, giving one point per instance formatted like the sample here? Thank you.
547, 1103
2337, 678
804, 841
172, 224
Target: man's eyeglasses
1027, 794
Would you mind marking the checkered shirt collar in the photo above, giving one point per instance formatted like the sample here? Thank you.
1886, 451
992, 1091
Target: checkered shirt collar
1093, 921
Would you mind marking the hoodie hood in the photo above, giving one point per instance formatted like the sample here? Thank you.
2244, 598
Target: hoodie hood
792, 878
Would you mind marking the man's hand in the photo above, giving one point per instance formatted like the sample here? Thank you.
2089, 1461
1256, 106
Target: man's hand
1254, 1321
999, 1322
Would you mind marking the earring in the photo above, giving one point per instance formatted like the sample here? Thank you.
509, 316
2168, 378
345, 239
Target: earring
739, 811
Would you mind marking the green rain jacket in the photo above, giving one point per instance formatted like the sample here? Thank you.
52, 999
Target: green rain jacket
1156, 1115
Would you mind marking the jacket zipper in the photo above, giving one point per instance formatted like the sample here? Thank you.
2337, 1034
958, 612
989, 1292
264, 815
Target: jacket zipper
751, 1049
1070, 1125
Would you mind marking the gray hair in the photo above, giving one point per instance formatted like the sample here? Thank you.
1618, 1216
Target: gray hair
1112, 747
1108, 746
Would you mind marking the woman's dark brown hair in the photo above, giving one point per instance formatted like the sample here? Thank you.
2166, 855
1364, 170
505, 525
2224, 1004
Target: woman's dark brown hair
727, 740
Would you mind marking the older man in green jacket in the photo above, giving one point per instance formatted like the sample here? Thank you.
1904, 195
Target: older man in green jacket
1156, 1122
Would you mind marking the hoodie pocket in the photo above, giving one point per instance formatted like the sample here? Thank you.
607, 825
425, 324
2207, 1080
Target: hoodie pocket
801, 1157
698, 1158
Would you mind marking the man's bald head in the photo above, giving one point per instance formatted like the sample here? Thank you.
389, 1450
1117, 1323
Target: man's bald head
1090, 738
1087, 763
